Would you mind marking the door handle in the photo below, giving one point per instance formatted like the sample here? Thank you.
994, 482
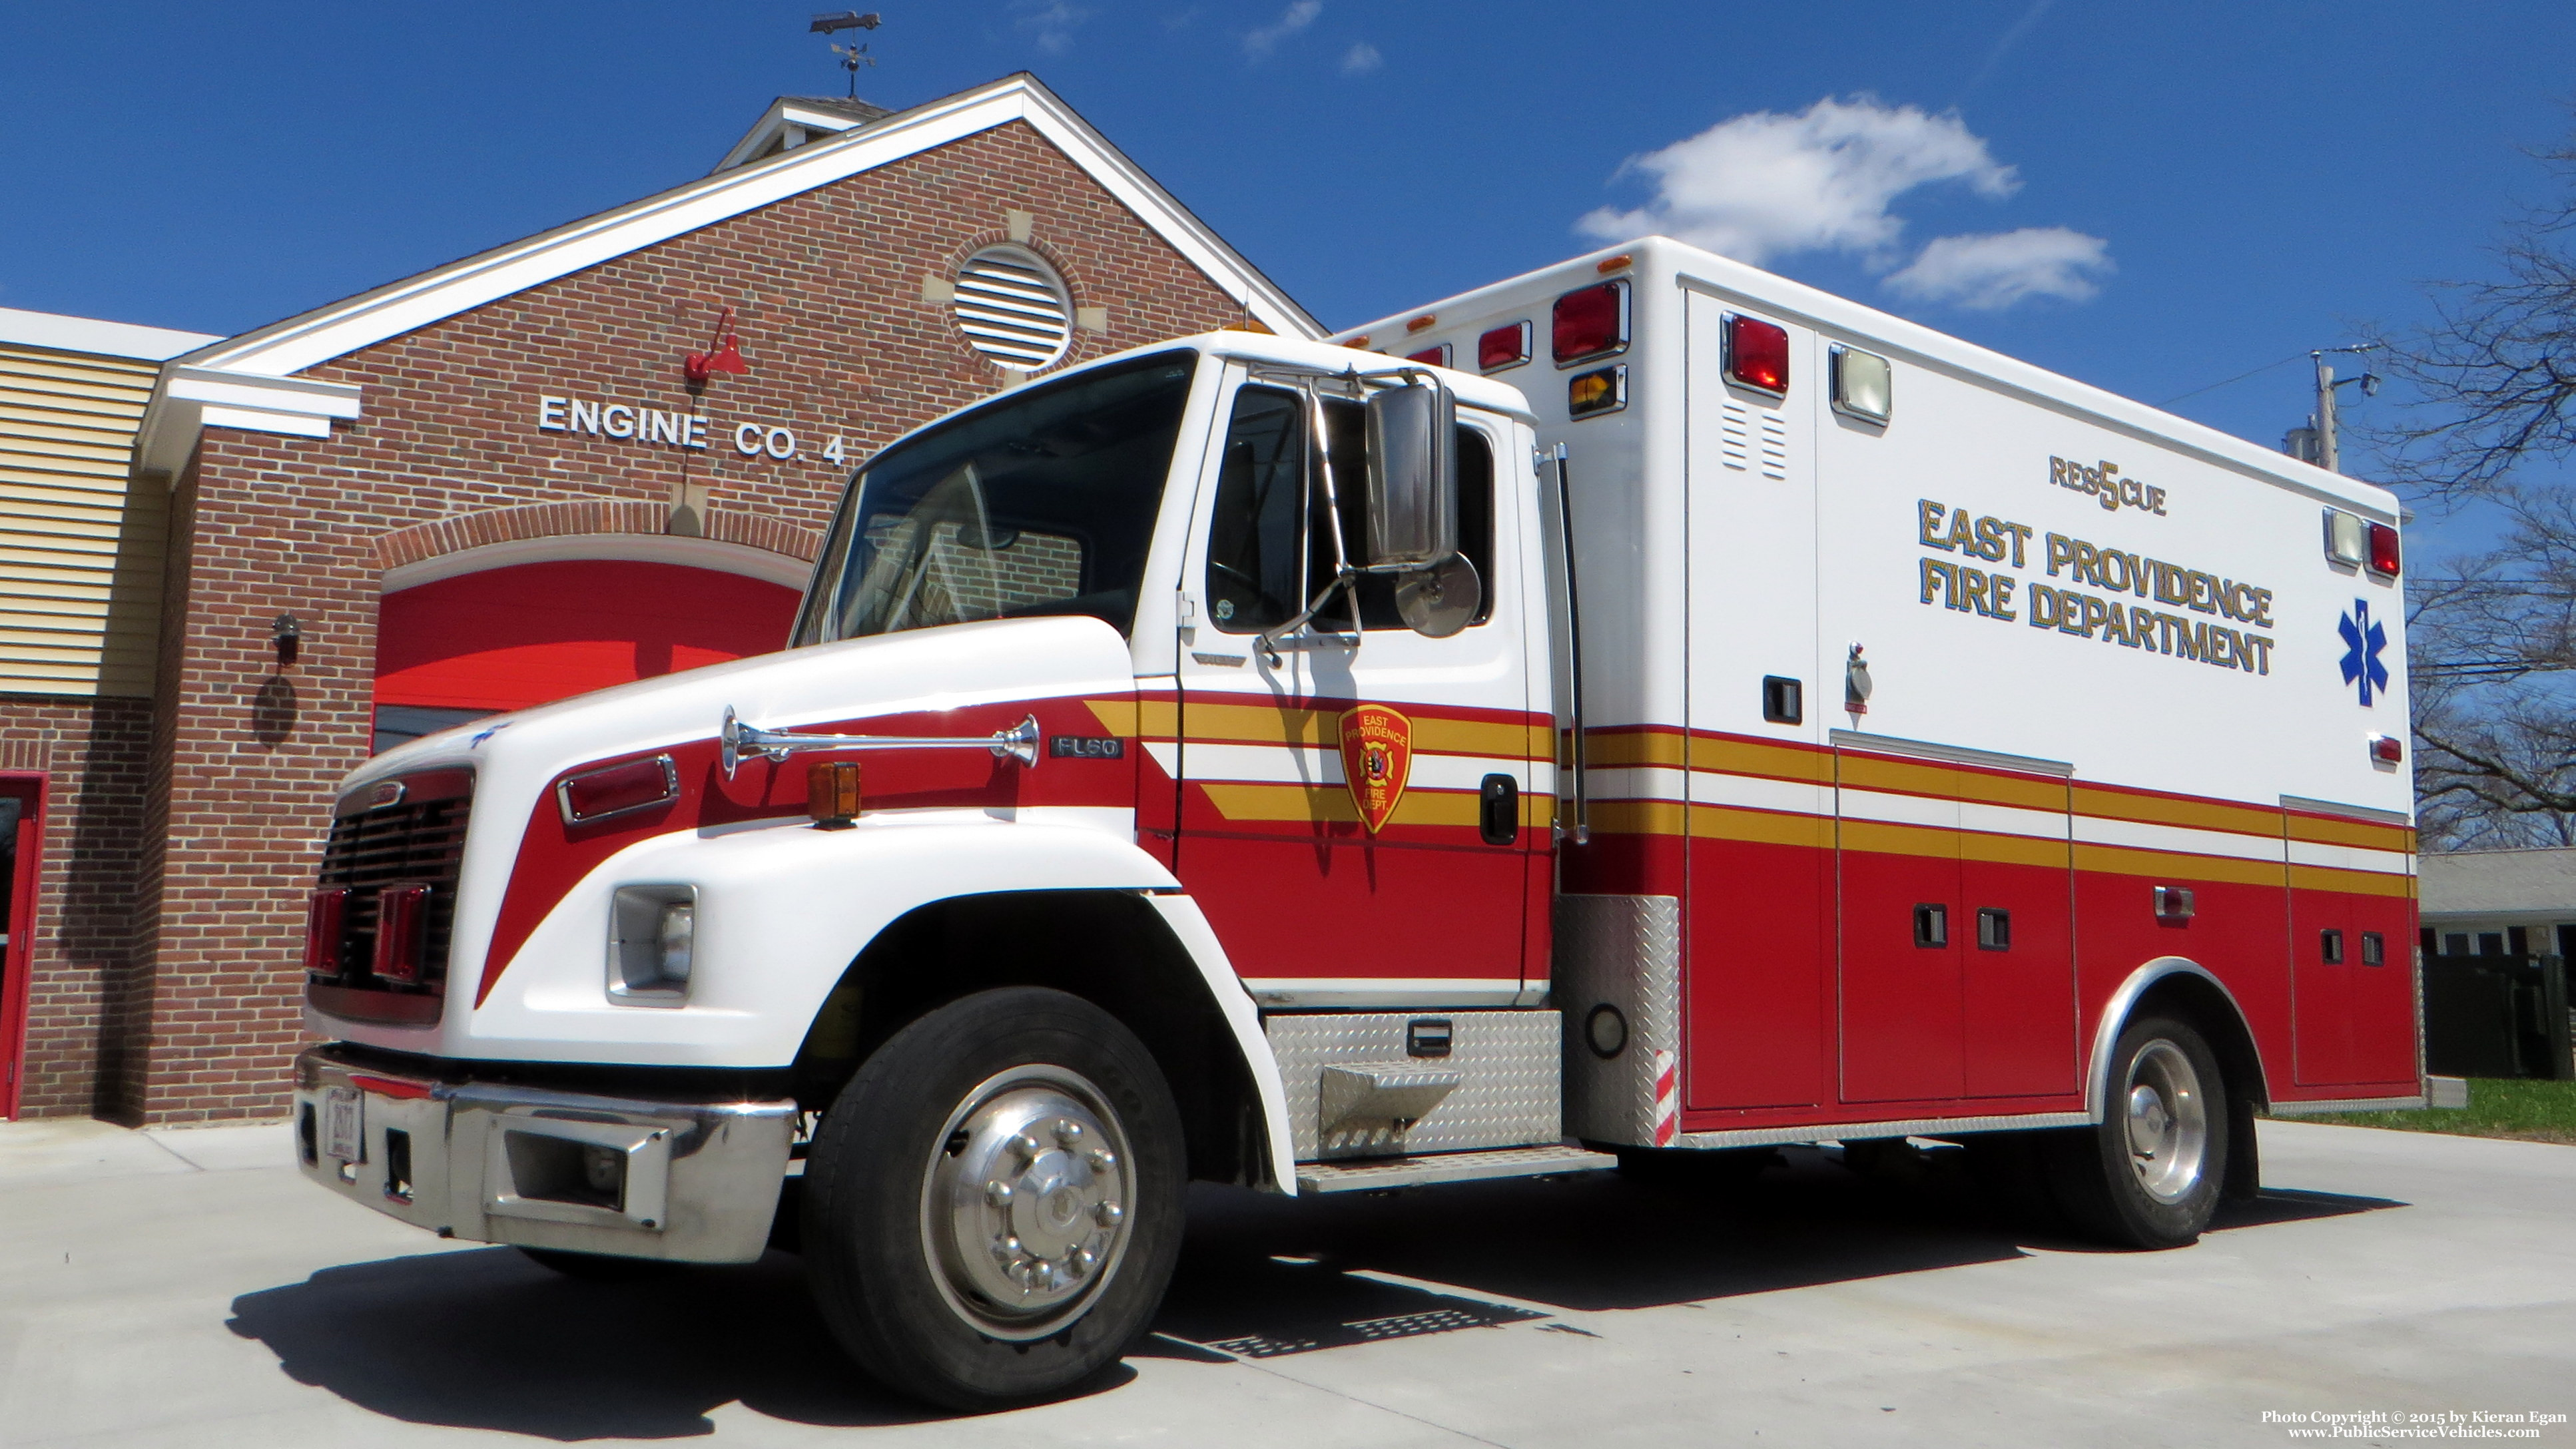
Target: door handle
1498, 810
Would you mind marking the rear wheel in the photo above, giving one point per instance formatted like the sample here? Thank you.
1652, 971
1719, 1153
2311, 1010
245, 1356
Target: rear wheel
2150, 1174
993, 1204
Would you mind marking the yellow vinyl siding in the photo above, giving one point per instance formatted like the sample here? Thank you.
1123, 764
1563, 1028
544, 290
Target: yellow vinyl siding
80, 553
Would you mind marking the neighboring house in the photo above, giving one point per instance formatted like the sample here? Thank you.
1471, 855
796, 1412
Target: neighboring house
2498, 902
478, 489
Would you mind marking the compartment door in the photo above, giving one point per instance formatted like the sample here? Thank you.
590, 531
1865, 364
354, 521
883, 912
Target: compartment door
1759, 863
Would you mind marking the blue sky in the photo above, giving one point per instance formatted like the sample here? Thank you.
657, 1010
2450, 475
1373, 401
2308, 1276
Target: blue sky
2184, 192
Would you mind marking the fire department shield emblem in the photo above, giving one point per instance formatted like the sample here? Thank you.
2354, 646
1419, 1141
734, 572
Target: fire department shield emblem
1377, 756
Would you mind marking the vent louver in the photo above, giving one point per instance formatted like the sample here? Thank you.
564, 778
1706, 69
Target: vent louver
1013, 309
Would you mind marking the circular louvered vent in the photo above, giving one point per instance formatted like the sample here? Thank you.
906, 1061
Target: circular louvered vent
1013, 309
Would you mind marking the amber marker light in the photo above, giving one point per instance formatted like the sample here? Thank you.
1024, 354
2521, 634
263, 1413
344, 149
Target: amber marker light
832, 793
1423, 323
1604, 390
1619, 263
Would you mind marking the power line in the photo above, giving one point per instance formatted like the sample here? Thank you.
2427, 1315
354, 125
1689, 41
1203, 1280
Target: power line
2240, 377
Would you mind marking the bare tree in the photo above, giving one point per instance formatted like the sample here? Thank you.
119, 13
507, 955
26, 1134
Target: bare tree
2494, 374
2493, 638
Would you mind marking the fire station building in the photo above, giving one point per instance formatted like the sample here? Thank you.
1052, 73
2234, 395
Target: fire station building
596, 455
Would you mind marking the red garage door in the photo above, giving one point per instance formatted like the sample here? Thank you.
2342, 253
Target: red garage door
507, 638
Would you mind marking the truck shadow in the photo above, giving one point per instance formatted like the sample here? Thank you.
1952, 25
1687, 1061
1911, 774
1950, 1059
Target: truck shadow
486, 1339
1261, 1276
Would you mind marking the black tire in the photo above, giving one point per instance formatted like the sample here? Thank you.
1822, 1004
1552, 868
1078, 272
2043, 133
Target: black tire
2150, 1175
915, 1267
598, 1267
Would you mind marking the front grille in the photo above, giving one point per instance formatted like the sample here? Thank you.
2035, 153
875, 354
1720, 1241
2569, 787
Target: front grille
417, 839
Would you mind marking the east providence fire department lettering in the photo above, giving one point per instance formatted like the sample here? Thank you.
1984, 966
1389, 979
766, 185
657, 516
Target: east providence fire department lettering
1299, 766
1989, 594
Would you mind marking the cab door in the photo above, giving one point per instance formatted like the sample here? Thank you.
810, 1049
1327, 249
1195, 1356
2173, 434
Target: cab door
1410, 887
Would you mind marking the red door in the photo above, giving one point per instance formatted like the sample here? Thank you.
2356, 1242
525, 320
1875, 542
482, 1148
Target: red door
507, 638
22, 802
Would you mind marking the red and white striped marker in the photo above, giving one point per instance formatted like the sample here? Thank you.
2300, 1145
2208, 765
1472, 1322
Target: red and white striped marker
1668, 1098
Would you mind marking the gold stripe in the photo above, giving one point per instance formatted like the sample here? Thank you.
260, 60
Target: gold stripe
2368, 834
1776, 762
2129, 860
1321, 804
1319, 729
2351, 882
1918, 777
1638, 748
1760, 827
1879, 837
1636, 817
2193, 814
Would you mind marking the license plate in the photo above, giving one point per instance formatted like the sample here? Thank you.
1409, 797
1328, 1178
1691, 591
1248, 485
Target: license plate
344, 1125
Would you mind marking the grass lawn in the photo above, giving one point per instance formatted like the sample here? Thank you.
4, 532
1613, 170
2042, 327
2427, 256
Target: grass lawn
2532, 1111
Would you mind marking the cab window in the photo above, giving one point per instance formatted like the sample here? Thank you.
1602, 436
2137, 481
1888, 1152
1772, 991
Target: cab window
1268, 551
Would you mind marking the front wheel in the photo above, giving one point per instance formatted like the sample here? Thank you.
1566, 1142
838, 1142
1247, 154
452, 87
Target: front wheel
2150, 1174
993, 1204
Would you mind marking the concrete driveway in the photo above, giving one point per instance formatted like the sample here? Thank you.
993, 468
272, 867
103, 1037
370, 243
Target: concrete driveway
186, 1288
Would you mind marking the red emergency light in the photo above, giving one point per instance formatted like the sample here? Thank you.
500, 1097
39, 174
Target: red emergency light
2387, 749
1589, 323
1757, 354
1430, 356
2383, 550
325, 921
1504, 346
402, 921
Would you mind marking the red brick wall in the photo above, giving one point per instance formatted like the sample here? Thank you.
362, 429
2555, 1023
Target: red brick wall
828, 292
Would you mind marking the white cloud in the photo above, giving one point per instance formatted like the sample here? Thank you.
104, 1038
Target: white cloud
1361, 58
1051, 24
1762, 184
1991, 272
1296, 17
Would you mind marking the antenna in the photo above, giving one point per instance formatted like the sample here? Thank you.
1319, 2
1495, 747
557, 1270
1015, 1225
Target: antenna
852, 56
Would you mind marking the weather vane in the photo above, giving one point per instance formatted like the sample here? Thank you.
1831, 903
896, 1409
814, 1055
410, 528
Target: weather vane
852, 56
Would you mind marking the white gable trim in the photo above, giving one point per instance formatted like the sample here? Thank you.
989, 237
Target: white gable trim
89, 334
189, 397
186, 399
317, 337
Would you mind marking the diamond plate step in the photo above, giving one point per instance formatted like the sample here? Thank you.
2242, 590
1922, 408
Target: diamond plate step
1367, 1176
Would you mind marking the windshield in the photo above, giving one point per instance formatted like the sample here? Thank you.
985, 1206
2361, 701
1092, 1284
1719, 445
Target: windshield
1044, 504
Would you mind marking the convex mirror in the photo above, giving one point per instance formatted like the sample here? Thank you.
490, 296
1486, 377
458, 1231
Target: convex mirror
1412, 478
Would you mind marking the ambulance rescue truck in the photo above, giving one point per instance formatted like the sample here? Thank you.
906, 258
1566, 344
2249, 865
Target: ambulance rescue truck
1642, 708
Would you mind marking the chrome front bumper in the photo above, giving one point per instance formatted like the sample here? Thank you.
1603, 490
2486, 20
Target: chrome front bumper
692, 1181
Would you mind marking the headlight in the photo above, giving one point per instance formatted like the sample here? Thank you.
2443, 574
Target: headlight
652, 944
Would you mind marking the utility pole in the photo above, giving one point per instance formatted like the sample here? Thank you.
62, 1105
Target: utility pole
2318, 442
2329, 457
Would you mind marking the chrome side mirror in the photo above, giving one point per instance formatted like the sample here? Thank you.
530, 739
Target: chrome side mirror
1412, 478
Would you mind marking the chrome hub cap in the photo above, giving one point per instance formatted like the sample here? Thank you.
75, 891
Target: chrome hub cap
2168, 1122
1024, 1208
